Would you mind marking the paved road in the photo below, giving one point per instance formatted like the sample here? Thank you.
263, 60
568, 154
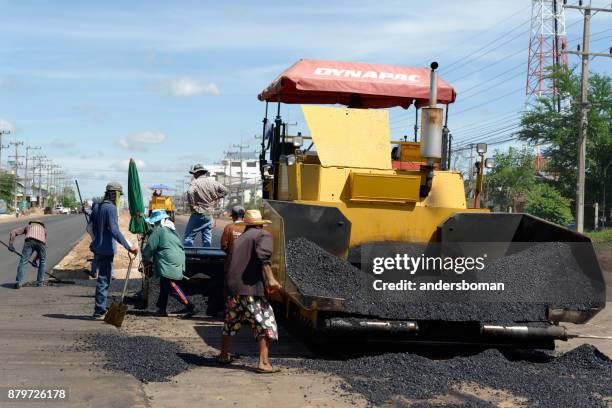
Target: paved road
64, 232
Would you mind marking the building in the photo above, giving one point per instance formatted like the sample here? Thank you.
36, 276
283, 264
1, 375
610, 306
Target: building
240, 174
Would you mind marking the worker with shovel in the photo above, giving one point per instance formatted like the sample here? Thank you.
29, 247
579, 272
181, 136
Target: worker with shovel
165, 250
106, 232
35, 241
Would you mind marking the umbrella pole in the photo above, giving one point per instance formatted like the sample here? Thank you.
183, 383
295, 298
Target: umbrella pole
146, 282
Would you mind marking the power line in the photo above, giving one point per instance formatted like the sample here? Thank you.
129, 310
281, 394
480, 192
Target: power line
489, 135
501, 37
479, 34
503, 59
476, 125
493, 143
507, 126
498, 141
494, 86
489, 101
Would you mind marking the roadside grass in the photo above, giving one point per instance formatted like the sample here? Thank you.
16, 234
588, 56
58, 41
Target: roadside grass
603, 236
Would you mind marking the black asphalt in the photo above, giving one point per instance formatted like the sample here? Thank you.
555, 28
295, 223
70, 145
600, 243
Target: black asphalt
64, 232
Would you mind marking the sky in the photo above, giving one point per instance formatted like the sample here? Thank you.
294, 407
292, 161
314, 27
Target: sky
172, 84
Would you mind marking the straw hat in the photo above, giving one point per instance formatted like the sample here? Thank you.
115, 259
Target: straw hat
253, 217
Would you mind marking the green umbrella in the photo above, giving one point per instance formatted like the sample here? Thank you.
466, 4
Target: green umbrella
138, 225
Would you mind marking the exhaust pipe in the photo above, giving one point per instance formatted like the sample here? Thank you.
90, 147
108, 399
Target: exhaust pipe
433, 85
431, 131
525, 332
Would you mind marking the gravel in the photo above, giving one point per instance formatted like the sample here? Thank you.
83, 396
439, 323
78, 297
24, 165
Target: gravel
579, 378
527, 276
149, 359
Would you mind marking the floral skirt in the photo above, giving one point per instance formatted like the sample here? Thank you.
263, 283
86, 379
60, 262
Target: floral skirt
253, 309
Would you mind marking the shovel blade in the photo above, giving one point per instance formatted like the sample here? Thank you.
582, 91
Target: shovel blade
116, 313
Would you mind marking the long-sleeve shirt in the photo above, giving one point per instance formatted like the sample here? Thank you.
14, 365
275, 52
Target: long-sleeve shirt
106, 230
165, 248
250, 252
202, 194
31, 231
230, 233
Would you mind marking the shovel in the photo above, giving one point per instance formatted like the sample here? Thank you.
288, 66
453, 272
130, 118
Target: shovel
49, 274
117, 311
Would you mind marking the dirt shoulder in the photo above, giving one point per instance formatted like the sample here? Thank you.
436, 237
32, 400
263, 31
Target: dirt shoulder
77, 263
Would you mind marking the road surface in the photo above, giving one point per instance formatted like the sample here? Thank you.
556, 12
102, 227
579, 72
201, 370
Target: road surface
64, 232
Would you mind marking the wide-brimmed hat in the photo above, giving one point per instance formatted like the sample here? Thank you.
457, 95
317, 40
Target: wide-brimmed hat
253, 217
37, 222
157, 215
197, 168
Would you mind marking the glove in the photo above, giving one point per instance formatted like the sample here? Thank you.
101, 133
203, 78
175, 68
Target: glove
11, 248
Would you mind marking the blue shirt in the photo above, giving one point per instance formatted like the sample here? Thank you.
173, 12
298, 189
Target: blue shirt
106, 230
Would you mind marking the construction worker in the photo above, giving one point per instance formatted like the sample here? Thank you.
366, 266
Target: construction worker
165, 250
248, 280
105, 232
202, 194
35, 241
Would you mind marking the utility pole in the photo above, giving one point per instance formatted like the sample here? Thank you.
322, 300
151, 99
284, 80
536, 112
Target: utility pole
229, 155
605, 174
556, 47
2, 133
240, 148
471, 170
17, 157
38, 167
25, 180
584, 109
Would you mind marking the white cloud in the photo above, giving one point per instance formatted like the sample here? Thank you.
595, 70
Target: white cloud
185, 86
125, 164
141, 142
6, 125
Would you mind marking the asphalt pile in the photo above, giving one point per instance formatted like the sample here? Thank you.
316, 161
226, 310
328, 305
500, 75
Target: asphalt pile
528, 276
149, 359
579, 378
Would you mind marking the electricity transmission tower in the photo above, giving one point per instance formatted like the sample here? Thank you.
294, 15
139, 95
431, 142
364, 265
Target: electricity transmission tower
546, 42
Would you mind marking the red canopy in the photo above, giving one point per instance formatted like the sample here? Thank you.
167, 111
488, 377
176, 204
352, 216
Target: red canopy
355, 84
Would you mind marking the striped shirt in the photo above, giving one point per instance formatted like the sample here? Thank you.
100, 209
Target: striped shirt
31, 231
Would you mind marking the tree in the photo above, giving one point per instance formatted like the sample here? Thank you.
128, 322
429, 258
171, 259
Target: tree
558, 132
7, 187
547, 203
511, 178
254, 202
69, 198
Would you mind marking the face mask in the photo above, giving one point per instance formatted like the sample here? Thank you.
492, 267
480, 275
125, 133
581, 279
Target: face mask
118, 200
169, 224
